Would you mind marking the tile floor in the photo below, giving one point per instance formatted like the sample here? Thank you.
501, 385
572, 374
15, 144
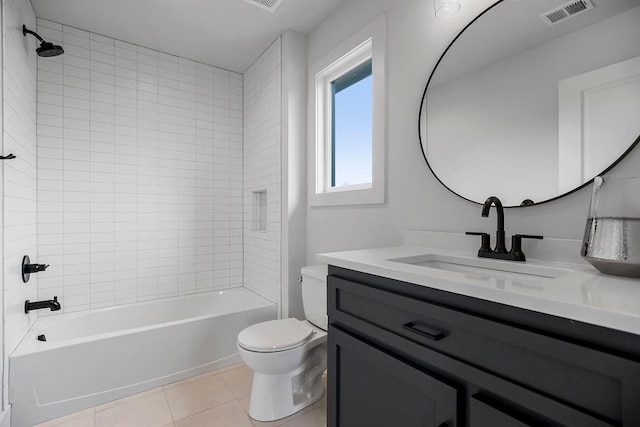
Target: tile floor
216, 399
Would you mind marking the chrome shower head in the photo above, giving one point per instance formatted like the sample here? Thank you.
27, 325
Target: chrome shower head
46, 49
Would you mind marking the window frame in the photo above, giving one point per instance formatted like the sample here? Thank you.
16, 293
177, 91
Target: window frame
367, 43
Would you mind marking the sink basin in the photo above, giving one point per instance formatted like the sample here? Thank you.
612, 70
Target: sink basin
484, 269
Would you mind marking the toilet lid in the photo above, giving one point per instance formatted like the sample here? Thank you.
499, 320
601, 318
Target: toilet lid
275, 335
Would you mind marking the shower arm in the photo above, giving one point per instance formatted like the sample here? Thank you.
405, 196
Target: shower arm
26, 31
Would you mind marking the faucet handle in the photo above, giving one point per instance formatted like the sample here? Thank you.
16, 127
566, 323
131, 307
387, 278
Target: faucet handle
486, 240
516, 245
528, 236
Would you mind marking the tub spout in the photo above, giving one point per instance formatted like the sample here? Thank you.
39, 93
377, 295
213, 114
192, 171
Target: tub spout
53, 305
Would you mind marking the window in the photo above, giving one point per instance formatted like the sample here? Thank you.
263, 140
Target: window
347, 164
351, 128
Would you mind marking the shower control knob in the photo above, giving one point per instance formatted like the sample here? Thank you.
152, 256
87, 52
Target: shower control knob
28, 268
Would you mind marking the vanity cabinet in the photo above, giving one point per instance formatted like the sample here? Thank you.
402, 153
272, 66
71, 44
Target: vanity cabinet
407, 355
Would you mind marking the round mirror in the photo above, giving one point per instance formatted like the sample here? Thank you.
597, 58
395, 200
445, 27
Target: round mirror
533, 99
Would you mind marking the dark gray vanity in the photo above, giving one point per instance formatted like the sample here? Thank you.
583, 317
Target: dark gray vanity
402, 354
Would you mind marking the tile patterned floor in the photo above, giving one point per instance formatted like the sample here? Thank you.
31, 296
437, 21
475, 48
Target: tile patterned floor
216, 399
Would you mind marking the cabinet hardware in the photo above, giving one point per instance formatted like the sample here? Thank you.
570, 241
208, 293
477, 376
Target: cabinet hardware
424, 331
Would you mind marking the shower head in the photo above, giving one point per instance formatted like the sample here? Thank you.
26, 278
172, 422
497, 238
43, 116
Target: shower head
46, 49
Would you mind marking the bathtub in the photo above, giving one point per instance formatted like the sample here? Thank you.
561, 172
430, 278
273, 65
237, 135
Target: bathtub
94, 357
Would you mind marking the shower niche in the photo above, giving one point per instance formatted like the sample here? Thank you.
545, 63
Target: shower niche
259, 210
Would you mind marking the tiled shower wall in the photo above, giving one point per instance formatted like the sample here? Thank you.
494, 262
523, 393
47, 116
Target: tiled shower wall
139, 173
262, 171
19, 210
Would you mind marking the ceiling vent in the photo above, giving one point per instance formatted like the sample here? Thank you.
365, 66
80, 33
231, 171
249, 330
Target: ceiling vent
566, 11
270, 5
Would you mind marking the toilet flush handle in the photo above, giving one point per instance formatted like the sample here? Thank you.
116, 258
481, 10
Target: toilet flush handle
300, 279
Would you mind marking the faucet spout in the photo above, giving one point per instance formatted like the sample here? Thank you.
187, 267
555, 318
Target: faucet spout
500, 252
53, 305
500, 233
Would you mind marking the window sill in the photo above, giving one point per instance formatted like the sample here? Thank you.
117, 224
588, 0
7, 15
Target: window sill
347, 197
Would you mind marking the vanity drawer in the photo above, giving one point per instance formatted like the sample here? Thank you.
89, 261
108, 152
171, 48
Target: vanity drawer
594, 381
486, 411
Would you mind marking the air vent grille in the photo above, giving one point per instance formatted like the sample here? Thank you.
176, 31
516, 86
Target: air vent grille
557, 16
270, 5
577, 7
566, 11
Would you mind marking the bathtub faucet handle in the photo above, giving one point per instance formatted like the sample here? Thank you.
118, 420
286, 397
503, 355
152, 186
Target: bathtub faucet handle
38, 267
28, 268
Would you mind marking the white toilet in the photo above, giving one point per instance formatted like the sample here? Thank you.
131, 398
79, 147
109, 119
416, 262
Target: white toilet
289, 356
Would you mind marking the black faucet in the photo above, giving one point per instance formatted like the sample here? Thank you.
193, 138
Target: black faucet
53, 304
500, 251
501, 248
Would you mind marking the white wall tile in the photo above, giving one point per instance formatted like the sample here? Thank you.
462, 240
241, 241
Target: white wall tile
130, 176
261, 162
20, 175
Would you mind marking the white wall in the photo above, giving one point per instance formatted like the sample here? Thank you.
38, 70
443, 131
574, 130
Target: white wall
294, 169
20, 175
139, 163
415, 200
262, 171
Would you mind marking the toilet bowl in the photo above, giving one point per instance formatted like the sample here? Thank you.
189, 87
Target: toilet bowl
288, 356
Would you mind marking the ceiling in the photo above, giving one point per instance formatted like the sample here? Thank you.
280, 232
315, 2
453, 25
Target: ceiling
229, 34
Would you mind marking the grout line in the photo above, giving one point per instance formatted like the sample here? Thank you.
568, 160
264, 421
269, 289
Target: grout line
207, 409
168, 405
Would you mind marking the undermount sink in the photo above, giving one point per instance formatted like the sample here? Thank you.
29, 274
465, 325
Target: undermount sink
484, 268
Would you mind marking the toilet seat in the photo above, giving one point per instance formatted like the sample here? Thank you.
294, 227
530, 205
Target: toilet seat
275, 335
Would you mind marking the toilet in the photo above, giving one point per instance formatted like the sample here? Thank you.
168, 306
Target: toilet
289, 356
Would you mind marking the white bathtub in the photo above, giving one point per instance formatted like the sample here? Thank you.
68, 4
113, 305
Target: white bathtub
97, 356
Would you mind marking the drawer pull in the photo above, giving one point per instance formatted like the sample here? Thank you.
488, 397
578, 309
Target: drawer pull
424, 331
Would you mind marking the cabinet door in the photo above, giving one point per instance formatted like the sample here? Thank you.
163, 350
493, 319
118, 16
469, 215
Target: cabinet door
369, 387
484, 415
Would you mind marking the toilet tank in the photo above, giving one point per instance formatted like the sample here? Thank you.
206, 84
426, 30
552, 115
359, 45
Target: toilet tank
314, 294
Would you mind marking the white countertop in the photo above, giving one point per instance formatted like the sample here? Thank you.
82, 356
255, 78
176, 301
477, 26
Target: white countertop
582, 293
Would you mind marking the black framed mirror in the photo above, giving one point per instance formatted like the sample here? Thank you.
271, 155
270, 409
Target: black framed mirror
533, 99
